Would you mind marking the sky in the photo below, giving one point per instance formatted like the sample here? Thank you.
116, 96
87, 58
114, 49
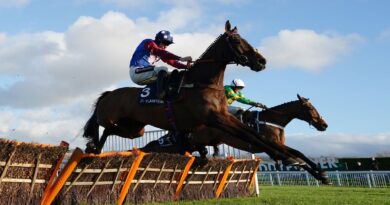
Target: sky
56, 57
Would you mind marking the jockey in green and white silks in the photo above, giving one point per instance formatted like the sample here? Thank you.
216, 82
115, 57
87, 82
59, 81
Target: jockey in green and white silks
233, 93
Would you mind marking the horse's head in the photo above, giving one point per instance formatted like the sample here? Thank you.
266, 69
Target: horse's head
310, 114
241, 51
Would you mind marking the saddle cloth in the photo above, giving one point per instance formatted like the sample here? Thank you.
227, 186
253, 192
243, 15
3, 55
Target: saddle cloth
147, 95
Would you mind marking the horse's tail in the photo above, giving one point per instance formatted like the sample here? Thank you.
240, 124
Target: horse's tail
91, 128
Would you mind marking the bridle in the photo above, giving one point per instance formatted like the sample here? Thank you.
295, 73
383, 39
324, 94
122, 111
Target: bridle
307, 113
239, 57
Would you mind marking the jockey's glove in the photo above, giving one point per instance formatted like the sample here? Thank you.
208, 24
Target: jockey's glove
187, 58
259, 105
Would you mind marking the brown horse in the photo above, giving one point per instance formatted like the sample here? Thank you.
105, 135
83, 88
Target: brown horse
270, 123
203, 105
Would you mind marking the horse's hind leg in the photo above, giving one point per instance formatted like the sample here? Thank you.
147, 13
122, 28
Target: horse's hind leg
134, 131
107, 132
97, 146
129, 129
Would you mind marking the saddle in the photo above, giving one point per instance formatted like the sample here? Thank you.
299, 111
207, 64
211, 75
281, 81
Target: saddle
171, 86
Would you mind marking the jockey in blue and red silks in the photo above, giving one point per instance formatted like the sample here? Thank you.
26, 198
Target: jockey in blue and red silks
142, 68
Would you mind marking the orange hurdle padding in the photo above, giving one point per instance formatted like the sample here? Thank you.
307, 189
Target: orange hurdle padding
130, 175
184, 175
108, 154
66, 172
254, 173
53, 175
224, 177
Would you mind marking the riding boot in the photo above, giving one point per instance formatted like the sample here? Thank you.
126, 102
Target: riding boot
160, 85
173, 83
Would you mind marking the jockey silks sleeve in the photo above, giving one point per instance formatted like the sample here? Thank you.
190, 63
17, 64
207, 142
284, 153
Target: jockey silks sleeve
232, 96
165, 56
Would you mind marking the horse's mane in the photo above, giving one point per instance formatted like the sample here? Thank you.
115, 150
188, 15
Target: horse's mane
208, 48
282, 105
277, 107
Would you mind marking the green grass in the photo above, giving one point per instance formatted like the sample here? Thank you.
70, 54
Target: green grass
306, 196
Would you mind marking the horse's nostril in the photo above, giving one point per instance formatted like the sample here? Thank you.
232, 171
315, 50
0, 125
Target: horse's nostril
262, 62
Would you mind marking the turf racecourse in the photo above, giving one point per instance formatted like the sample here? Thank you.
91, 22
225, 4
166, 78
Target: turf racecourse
305, 195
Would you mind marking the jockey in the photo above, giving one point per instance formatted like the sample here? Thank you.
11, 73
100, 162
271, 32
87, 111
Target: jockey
142, 68
233, 93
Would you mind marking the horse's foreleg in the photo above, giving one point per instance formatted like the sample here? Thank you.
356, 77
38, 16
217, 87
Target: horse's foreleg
311, 167
235, 128
300, 155
314, 166
317, 175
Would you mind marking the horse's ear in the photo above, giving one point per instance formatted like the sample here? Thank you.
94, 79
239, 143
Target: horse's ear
302, 99
227, 26
299, 97
235, 29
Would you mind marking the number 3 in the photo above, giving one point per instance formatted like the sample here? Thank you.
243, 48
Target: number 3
145, 92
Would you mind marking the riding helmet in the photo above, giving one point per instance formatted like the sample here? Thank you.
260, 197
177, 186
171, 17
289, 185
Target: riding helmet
237, 83
164, 37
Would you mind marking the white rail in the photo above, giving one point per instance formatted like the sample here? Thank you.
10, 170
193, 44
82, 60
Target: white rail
371, 179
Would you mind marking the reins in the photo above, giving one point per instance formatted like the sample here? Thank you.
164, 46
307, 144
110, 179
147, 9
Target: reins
263, 122
238, 59
213, 61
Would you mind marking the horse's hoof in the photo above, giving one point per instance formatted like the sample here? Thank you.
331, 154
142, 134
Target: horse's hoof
323, 174
326, 182
91, 148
